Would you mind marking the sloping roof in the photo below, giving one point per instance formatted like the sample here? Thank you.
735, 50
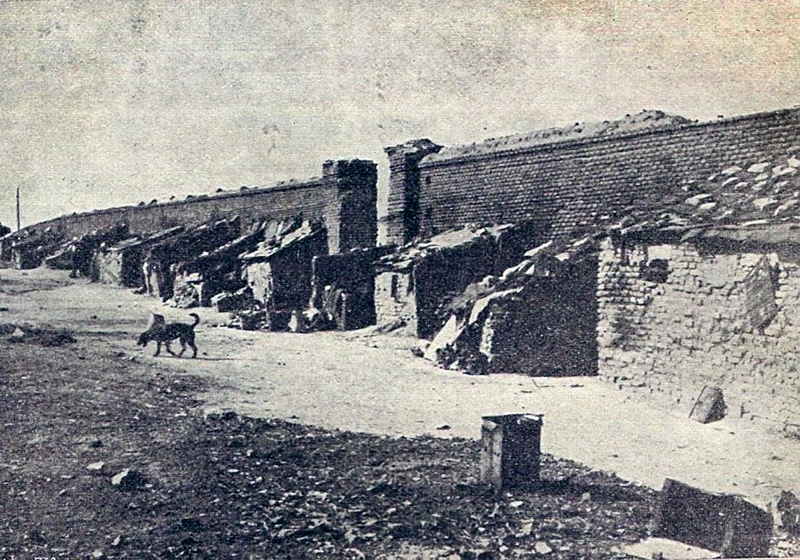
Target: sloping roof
762, 198
288, 234
404, 257
754, 203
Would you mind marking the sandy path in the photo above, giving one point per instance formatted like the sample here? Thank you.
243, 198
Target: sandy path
374, 384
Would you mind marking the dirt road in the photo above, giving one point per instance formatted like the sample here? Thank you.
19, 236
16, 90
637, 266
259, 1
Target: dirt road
374, 384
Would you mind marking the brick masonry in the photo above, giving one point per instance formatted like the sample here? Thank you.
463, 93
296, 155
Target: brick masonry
714, 320
344, 197
567, 185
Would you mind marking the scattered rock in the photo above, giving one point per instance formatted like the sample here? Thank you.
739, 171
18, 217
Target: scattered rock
443, 427
128, 480
789, 507
698, 199
95, 467
764, 204
732, 170
542, 547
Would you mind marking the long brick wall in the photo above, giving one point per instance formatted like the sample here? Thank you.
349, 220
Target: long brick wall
565, 185
344, 197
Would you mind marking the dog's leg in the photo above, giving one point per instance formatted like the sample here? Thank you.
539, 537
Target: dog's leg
158, 348
183, 348
194, 348
168, 348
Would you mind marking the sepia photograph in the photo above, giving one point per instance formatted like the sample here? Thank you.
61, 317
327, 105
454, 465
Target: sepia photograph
356, 279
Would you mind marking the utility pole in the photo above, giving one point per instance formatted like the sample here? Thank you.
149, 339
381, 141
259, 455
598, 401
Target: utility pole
18, 209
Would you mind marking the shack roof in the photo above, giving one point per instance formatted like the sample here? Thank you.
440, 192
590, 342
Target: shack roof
144, 240
288, 235
454, 239
756, 201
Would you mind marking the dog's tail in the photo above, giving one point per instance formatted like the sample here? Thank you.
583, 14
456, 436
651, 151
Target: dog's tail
196, 319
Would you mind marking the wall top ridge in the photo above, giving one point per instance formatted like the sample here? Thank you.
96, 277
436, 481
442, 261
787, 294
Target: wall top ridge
486, 150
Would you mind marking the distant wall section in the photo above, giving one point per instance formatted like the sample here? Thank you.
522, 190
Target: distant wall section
344, 198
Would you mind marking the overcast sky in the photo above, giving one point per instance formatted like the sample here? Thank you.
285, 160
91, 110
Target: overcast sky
104, 103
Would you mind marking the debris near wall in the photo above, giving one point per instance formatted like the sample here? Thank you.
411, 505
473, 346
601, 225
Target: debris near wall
536, 318
435, 271
121, 263
199, 281
162, 258
78, 255
279, 270
29, 248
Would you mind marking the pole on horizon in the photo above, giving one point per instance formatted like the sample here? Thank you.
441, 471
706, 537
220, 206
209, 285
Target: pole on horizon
18, 228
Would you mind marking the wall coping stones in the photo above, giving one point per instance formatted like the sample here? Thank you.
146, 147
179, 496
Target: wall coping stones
441, 159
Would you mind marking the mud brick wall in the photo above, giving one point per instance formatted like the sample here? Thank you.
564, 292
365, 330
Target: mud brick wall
700, 326
345, 198
566, 185
395, 299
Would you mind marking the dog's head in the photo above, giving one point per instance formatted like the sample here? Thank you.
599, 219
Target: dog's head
144, 338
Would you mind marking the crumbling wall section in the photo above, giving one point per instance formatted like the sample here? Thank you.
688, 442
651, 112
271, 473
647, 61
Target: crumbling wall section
395, 299
673, 318
568, 185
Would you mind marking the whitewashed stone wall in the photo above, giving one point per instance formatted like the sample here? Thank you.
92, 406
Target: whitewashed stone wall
696, 328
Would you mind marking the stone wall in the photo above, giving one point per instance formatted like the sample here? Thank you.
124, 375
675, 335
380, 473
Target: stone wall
675, 318
567, 185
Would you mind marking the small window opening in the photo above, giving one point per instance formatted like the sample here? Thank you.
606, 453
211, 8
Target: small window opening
656, 270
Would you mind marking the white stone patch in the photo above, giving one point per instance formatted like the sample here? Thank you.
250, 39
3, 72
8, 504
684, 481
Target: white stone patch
794, 162
731, 170
758, 167
698, 199
764, 203
663, 252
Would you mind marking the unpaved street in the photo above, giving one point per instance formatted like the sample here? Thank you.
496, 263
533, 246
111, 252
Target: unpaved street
368, 383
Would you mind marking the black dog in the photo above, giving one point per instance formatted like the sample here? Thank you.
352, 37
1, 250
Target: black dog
165, 333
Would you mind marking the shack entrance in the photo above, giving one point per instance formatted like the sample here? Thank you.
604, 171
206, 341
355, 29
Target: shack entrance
550, 330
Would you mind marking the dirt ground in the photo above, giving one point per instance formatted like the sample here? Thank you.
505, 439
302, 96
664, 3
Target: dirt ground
354, 382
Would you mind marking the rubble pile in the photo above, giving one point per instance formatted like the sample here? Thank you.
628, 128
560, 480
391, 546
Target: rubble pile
438, 270
482, 332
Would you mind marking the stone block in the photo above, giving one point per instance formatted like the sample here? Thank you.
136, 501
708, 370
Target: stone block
720, 522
